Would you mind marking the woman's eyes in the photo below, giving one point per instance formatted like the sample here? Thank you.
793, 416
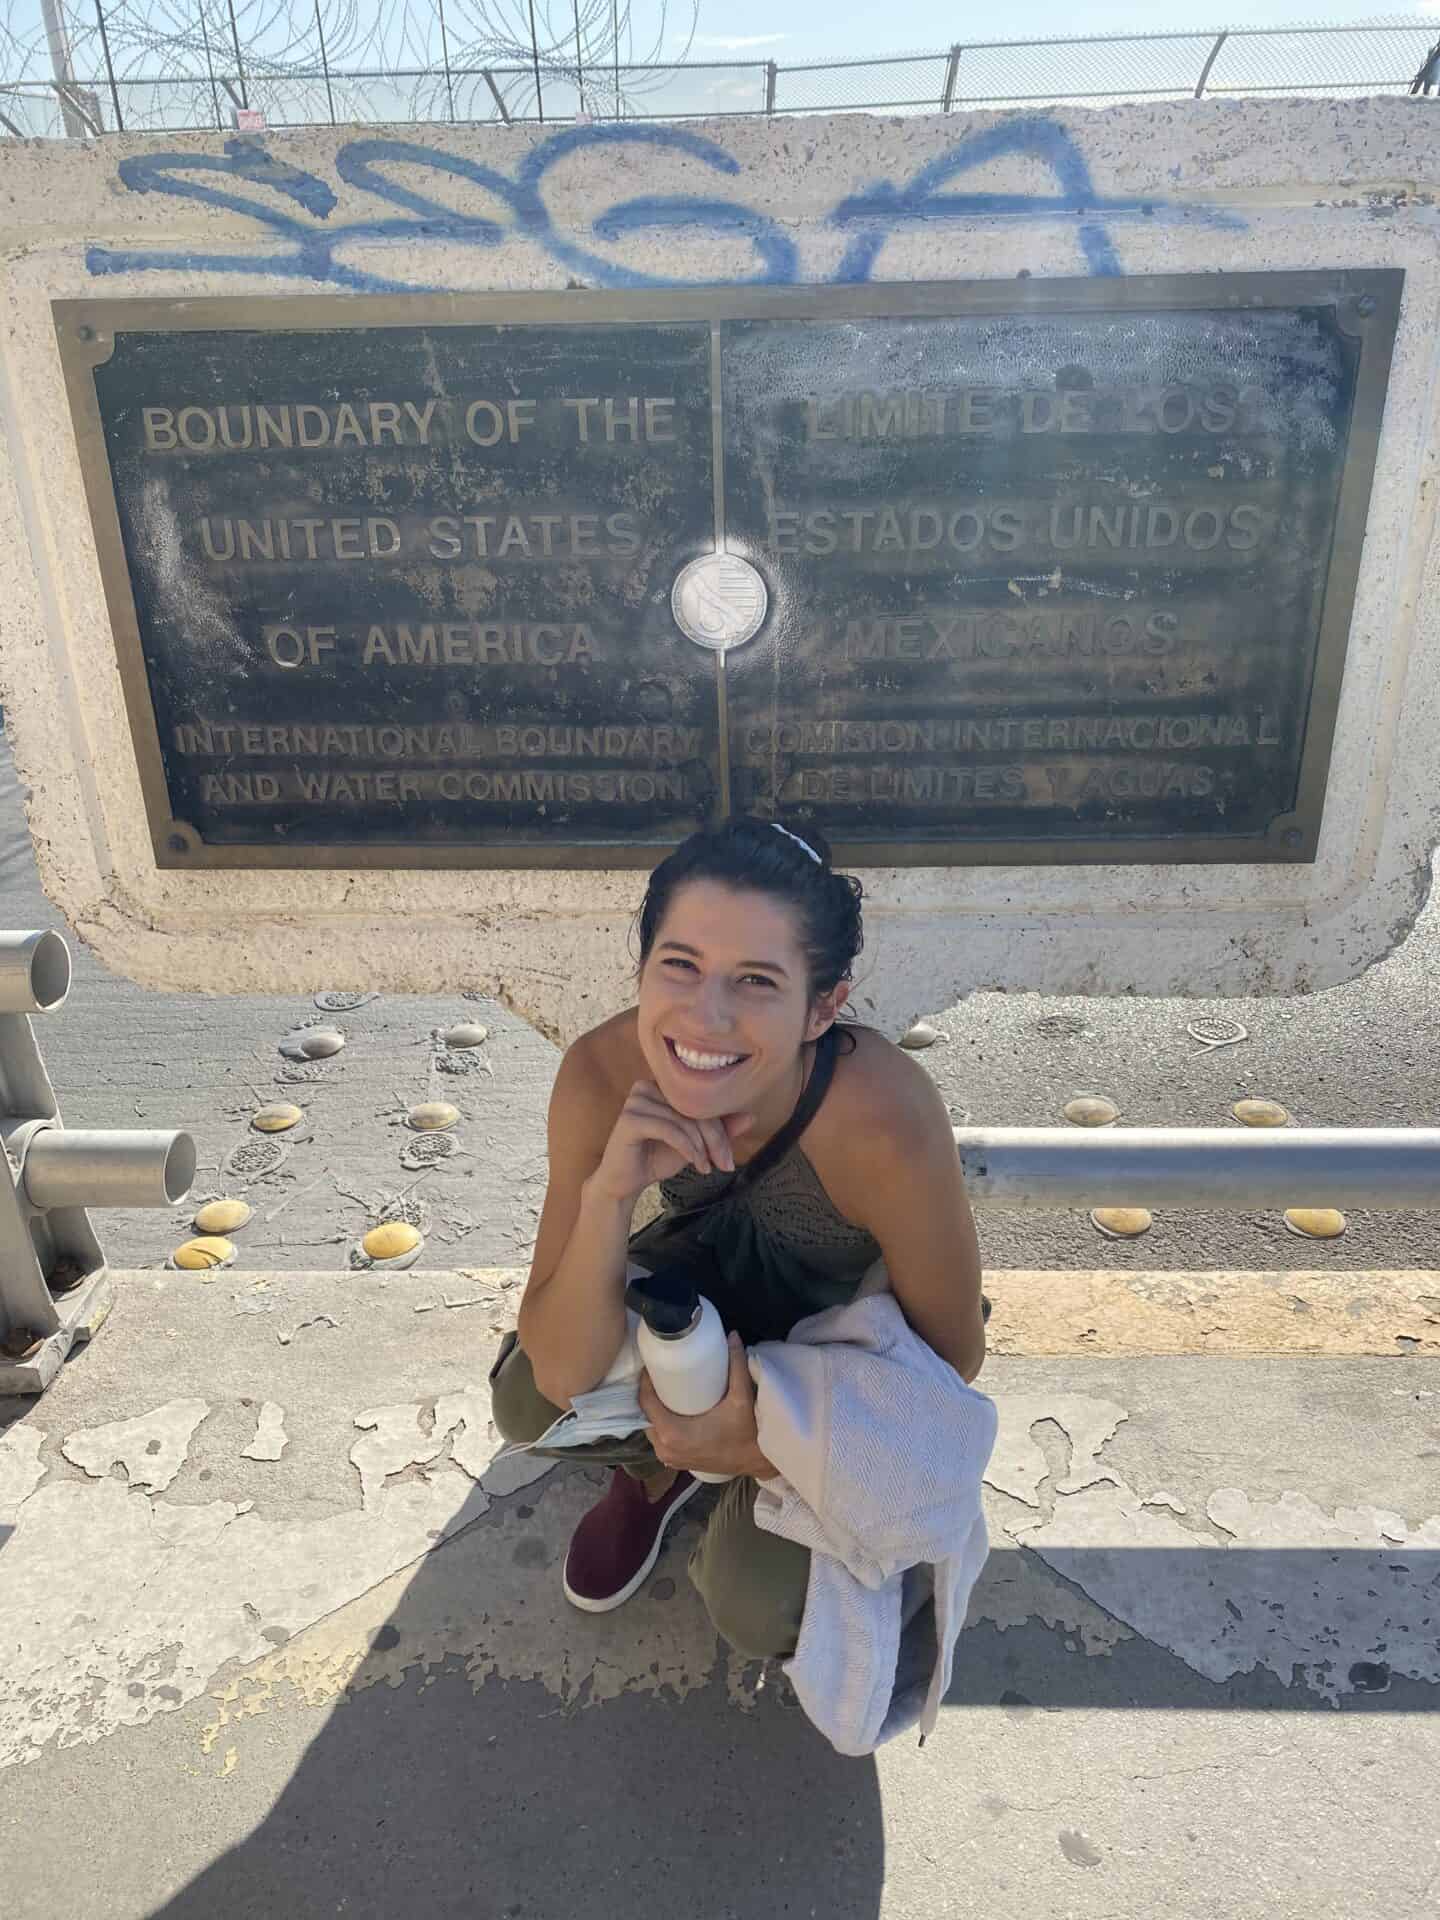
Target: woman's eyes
678, 962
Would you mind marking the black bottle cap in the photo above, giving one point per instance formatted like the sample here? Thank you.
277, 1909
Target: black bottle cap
666, 1300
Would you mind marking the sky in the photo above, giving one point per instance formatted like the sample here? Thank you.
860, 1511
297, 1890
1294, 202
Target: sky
791, 30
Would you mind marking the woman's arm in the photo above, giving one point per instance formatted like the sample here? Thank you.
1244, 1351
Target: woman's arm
899, 1176
606, 1147
572, 1318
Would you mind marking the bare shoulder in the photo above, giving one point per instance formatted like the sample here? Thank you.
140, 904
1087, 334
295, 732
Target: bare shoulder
600, 1068
881, 1100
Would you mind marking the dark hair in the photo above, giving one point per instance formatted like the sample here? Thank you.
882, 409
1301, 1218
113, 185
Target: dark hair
758, 857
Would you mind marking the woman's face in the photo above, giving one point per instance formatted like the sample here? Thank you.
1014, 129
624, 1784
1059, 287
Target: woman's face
725, 1002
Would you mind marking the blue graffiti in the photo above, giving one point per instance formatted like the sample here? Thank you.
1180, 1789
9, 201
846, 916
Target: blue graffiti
305, 246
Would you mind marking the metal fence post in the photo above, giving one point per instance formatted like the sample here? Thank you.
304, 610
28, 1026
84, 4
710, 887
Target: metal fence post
445, 56
952, 69
109, 68
1220, 40
54, 1289
324, 62
769, 86
209, 63
239, 60
535, 56
496, 95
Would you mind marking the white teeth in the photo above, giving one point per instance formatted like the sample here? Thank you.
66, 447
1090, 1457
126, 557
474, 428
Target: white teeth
703, 1062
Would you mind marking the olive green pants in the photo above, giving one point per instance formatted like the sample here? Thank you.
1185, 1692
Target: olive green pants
753, 1583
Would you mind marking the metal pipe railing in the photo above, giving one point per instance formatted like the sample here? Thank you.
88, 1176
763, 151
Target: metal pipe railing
34, 972
1230, 1169
95, 1167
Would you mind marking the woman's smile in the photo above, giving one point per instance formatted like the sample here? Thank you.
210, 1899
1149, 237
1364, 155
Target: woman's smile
703, 1062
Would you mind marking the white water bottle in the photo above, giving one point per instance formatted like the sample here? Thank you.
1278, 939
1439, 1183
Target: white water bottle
682, 1343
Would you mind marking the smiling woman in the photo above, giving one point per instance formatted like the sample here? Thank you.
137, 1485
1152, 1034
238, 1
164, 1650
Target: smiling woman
794, 1157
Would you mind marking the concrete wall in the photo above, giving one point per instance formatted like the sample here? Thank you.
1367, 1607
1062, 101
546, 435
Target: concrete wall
1130, 190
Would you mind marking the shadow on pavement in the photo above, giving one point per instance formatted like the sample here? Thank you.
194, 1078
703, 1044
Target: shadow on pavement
440, 1796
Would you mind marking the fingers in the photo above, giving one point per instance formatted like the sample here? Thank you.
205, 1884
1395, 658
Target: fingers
656, 1121
740, 1385
717, 1144
707, 1149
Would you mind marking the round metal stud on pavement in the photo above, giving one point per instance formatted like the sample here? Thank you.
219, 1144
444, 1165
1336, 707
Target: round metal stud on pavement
223, 1216
921, 1035
1121, 1223
1315, 1223
198, 1256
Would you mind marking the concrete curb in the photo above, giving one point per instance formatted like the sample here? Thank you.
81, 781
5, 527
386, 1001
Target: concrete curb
1040, 1311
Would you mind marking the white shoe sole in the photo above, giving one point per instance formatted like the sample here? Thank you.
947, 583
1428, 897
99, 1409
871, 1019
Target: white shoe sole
614, 1600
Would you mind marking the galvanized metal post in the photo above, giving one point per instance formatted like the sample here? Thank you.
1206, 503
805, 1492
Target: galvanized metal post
54, 1289
209, 63
769, 86
535, 56
496, 95
109, 67
1220, 40
239, 58
952, 69
445, 56
59, 45
325, 62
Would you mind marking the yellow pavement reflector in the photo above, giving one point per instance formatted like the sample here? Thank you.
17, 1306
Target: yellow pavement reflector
277, 1119
223, 1216
1091, 1110
390, 1239
209, 1251
432, 1116
1260, 1113
1315, 1223
1121, 1223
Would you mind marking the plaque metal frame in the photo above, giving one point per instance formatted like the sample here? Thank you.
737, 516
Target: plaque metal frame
1367, 306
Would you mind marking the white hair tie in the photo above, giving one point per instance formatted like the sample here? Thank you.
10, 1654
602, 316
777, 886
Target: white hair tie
798, 841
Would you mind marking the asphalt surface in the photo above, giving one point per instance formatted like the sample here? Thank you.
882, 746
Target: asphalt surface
1360, 1054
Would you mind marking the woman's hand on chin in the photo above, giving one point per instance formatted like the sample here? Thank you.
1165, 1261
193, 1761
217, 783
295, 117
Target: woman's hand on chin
724, 1440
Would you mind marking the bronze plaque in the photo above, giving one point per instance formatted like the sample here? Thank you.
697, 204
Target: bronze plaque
1052, 571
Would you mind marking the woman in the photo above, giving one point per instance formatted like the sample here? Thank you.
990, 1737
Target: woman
791, 1156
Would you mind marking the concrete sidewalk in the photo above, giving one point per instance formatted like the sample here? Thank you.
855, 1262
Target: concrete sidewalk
1199, 1676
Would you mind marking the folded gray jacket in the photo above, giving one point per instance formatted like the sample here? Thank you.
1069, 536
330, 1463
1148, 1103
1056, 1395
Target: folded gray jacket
880, 1449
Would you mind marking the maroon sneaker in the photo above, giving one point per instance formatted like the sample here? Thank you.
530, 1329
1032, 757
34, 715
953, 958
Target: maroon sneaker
619, 1540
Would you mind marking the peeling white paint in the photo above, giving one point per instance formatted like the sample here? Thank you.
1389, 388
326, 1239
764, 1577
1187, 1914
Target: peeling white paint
1017, 1466
20, 1469
1162, 1498
413, 1434
1294, 1587
492, 1602
151, 1448
158, 1597
271, 1438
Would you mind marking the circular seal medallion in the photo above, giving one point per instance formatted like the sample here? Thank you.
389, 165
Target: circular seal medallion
719, 601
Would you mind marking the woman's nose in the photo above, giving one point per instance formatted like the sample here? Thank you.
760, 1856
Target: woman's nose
715, 1005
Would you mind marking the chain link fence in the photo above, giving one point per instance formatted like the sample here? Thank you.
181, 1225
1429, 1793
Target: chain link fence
207, 76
